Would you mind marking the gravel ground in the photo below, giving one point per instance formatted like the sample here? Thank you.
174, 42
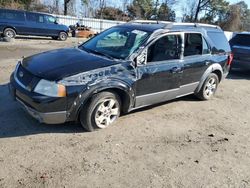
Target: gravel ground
181, 143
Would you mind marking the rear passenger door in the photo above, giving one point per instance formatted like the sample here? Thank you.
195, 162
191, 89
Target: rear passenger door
35, 24
196, 59
159, 79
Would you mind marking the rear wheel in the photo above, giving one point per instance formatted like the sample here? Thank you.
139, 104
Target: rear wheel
102, 110
209, 87
63, 36
10, 33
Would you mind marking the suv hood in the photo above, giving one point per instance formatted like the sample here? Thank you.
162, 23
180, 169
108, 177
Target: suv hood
57, 64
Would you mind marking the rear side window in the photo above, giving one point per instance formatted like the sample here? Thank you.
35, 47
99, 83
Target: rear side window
241, 39
220, 41
193, 44
12, 15
32, 17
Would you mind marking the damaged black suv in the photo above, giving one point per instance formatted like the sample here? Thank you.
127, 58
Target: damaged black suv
123, 68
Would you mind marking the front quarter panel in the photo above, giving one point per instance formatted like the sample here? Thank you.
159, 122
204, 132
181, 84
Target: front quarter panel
118, 77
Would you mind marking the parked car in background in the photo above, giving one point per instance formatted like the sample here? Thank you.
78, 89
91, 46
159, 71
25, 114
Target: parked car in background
240, 45
82, 32
124, 68
18, 22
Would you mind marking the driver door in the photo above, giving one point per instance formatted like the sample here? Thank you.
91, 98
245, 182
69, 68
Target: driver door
159, 79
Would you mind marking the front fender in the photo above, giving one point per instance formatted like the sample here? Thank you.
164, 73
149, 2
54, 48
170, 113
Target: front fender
110, 84
210, 69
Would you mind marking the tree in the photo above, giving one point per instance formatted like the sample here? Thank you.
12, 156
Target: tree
66, 3
207, 11
165, 13
111, 13
237, 18
141, 9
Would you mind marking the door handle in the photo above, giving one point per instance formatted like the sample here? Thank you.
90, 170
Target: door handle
176, 70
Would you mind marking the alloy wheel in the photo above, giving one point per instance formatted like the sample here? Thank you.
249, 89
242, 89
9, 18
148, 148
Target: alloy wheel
107, 112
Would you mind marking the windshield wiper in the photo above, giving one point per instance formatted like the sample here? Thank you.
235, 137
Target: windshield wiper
98, 53
102, 54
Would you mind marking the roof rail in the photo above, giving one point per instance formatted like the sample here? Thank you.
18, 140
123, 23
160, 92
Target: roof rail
149, 22
196, 25
173, 23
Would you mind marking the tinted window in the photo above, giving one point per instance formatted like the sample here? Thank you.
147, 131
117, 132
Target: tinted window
32, 17
220, 41
205, 49
12, 15
50, 19
193, 44
165, 48
241, 39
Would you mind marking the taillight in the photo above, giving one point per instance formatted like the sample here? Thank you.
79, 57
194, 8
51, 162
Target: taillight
230, 59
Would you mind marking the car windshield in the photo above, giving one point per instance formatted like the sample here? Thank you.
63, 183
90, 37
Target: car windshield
117, 42
241, 39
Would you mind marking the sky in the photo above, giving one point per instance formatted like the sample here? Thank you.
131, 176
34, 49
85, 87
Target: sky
178, 7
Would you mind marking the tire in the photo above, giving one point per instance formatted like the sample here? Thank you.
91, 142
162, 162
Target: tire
90, 36
101, 111
209, 87
54, 38
62, 36
10, 33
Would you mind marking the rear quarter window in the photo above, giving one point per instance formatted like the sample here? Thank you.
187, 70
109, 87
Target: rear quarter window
11, 15
220, 41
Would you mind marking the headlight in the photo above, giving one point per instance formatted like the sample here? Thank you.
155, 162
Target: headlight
51, 89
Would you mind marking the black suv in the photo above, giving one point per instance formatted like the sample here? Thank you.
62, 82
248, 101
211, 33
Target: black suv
123, 68
240, 45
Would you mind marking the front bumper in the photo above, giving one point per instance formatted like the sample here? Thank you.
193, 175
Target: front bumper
48, 118
49, 110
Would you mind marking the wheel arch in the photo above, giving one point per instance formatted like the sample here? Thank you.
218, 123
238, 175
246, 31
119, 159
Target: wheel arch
124, 91
11, 27
60, 31
214, 68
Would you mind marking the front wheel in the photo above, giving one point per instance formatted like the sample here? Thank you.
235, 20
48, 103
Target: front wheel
209, 87
102, 110
63, 36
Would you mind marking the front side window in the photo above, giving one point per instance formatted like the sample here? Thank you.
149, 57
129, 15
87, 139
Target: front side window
50, 19
117, 42
165, 48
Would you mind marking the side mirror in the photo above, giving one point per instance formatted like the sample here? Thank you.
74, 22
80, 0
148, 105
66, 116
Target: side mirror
55, 22
142, 58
